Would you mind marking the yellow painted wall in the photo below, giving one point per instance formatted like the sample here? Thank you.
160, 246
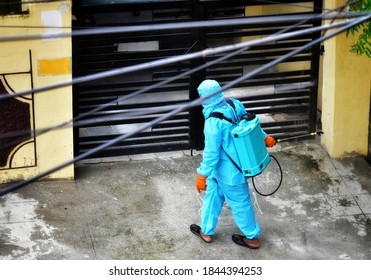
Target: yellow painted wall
344, 87
251, 11
51, 63
275, 9
289, 9
345, 96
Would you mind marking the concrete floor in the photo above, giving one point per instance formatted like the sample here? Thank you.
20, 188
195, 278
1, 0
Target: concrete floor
141, 208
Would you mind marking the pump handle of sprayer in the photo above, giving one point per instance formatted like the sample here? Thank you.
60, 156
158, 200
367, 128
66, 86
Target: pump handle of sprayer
300, 136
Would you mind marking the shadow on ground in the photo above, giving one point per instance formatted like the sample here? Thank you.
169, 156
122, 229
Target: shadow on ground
142, 209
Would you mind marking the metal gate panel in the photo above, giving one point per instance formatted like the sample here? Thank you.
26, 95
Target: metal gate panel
286, 112
290, 112
96, 54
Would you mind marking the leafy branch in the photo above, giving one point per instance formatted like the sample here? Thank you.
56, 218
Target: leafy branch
363, 30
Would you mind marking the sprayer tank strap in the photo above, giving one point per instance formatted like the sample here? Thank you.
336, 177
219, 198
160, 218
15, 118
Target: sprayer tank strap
234, 163
221, 116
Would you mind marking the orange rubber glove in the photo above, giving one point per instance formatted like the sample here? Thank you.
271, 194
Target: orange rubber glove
270, 141
200, 183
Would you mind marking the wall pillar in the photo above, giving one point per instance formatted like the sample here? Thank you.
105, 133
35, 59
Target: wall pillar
345, 96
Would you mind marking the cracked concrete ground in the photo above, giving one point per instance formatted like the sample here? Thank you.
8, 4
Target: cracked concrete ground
141, 208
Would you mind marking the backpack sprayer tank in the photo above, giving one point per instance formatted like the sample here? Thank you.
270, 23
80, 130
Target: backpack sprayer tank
251, 150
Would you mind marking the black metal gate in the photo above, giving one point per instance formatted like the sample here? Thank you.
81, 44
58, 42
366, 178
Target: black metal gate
283, 112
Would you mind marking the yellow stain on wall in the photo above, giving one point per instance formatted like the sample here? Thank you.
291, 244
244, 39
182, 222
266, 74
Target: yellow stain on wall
55, 66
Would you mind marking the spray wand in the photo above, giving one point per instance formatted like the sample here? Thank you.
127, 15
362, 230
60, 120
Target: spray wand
300, 136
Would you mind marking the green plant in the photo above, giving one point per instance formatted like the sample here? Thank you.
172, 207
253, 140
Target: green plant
363, 30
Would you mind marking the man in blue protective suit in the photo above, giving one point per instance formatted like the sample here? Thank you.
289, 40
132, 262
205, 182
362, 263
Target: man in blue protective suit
218, 175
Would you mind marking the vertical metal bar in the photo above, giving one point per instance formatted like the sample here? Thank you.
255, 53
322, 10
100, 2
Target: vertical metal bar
196, 117
316, 49
77, 10
4, 9
75, 94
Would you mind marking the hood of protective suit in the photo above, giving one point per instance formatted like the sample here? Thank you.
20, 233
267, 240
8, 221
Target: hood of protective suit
204, 89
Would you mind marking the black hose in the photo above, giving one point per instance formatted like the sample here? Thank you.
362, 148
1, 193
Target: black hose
279, 185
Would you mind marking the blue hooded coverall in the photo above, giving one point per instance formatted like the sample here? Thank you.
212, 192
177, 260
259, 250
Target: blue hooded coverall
224, 180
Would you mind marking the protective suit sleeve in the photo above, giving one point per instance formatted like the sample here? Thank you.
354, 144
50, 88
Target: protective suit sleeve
213, 142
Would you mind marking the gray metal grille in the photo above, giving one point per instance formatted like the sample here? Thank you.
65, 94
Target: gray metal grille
283, 112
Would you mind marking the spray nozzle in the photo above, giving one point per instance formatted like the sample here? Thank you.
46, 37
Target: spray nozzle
319, 133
